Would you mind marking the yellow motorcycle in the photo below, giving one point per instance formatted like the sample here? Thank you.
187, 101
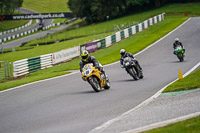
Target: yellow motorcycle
95, 78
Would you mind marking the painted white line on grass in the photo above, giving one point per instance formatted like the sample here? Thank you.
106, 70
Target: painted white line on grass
164, 123
104, 65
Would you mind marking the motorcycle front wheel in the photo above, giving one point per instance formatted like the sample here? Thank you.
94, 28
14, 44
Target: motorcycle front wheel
95, 84
133, 73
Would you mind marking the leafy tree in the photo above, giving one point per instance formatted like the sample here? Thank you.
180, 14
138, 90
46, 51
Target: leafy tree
105, 9
100, 10
97, 10
81, 8
9, 6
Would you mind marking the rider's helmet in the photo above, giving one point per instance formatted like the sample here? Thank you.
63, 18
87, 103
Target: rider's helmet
176, 40
84, 55
122, 52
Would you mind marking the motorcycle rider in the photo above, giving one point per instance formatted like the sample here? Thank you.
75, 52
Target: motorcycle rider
177, 43
90, 59
125, 54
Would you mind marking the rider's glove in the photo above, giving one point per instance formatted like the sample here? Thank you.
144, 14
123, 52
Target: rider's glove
97, 67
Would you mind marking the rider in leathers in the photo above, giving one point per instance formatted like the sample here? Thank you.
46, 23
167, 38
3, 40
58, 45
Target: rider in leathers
125, 54
177, 43
90, 59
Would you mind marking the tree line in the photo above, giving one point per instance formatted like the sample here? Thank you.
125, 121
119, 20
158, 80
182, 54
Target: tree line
101, 10
8, 7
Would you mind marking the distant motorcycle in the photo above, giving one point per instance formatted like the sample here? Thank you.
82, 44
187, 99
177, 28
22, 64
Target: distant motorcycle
132, 68
179, 53
95, 78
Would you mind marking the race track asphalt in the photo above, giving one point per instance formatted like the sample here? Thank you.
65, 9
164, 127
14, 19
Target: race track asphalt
69, 105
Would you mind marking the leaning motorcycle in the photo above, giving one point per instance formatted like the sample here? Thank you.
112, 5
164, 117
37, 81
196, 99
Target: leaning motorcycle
132, 68
95, 78
179, 53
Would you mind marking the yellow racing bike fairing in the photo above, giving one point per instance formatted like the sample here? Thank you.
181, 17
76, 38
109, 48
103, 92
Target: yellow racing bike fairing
95, 78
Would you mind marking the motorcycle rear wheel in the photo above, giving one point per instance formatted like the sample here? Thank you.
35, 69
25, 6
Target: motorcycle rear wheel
107, 86
180, 57
139, 72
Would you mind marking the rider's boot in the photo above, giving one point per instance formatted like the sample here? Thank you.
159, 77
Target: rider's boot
105, 74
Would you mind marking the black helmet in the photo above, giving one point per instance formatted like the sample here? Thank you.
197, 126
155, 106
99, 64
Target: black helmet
122, 52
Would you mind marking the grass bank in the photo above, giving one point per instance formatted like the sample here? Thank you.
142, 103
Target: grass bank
11, 24
187, 126
46, 6
191, 81
8, 25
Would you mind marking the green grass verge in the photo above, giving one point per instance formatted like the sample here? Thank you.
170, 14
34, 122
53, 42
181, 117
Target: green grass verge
46, 6
105, 56
187, 126
191, 81
46, 49
33, 22
11, 24
8, 25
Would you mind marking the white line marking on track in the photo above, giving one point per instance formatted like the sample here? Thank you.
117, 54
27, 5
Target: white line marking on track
38, 82
108, 123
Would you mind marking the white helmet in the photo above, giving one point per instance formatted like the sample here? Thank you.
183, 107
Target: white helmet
177, 40
122, 52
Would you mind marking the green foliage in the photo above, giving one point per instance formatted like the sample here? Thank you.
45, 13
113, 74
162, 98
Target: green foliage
9, 6
189, 82
97, 10
101, 10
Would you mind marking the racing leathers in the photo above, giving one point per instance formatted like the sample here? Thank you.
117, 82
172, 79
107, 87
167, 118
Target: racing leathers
177, 43
92, 59
129, 55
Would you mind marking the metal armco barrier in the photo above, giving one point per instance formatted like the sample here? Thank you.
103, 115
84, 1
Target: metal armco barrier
109, 40
16, 29
5, 69
29, 65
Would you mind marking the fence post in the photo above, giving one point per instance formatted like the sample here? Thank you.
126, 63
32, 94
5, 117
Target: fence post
7, 69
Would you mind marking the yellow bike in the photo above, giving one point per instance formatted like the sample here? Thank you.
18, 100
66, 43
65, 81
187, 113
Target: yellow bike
95, 78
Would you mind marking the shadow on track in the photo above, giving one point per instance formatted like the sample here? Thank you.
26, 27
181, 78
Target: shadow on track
85, 92
125, 80
177, 61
